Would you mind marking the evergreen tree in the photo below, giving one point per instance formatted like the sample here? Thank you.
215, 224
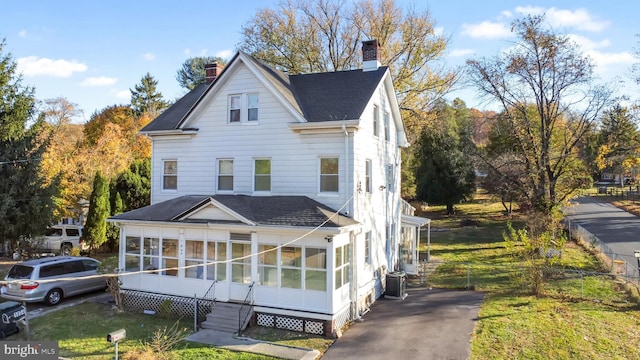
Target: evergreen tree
95, 230
134, 186
26, 199
445, 173
191, 73
145, 97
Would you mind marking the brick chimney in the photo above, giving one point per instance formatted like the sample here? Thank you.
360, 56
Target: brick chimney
370, 55
212, 71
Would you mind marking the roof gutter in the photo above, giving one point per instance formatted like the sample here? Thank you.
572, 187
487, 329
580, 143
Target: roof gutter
340, 125
243, 227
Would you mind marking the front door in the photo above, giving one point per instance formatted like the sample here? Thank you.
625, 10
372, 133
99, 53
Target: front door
240, 270
408, 253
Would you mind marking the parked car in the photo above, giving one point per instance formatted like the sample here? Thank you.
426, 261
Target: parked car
51, 279
58, 239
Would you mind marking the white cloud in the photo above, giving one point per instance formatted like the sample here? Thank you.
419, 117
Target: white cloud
98, 81
149, 56
606, 60
22, 33
461, 52
506, 13
579, 19
34, 66
225, 54
486, 30
587, 44
124, 94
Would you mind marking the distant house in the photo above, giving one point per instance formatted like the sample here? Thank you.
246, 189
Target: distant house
282, 189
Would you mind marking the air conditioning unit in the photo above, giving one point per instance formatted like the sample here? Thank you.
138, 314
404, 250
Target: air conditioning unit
396, 286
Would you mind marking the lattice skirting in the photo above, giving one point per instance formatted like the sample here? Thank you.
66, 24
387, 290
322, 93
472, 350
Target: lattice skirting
311, 326
343, 318
178, 306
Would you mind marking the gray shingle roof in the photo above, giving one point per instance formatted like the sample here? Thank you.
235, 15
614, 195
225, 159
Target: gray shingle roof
328, 96
171, 117
261, 210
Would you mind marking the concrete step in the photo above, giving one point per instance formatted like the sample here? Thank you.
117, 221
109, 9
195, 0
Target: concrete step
224, 317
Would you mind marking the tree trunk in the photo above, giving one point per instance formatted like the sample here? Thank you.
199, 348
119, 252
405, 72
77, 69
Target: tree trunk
451, 210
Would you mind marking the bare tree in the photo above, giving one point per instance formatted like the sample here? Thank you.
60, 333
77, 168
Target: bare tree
546, 90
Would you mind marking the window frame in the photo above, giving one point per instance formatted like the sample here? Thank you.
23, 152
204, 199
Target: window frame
256, 175
220, 175
231, 109
323, 176
268, 261
389, 175
367, 248
310, 269
166, 175
289, 270
256, 108
387, 130
376, 120
216, 265
342, 266
194, 264
368, 178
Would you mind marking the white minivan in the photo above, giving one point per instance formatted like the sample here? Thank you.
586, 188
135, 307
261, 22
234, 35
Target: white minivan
60, 239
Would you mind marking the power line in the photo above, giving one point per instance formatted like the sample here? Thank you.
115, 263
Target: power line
129, 273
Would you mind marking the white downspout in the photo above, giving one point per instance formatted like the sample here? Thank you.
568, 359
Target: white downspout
347, 170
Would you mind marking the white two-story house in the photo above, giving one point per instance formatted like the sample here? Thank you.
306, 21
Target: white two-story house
282, 190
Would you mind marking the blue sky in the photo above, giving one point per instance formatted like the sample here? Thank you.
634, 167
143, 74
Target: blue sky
92, 53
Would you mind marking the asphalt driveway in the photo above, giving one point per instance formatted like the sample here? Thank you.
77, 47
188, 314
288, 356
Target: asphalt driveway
427, 324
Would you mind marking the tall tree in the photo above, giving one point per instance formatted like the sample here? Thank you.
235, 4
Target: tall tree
26, 198
134, 185
445, 173
191, 73
62, 155
325, 35
546, 90
145, 97
300, 36
619, 142
548, 97
95, 229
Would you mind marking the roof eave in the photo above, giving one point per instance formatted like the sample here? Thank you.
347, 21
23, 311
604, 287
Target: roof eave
326, 125
190, 132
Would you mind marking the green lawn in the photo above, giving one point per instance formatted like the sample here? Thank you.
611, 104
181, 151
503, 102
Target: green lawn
81, 333
595, 318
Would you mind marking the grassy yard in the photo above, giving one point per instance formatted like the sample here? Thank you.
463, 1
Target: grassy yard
81, 333
596, 321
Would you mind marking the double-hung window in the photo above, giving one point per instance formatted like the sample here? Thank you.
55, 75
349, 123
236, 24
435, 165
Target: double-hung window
291, 267
252, 107
262, 175
170, 175
267, 265
386, 126
376, 119
315, 277
367, 176
243, 108
329, 175
216, 260
170, 257
235, 107
390, 183
342, 266
225, 175
367, 248
194, 259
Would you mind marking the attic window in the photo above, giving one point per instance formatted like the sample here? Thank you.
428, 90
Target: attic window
235, 105
243, 108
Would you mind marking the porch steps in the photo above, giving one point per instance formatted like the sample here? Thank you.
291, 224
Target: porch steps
224, 317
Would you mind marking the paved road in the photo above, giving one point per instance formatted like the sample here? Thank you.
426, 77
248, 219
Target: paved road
617, 228
428, 324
